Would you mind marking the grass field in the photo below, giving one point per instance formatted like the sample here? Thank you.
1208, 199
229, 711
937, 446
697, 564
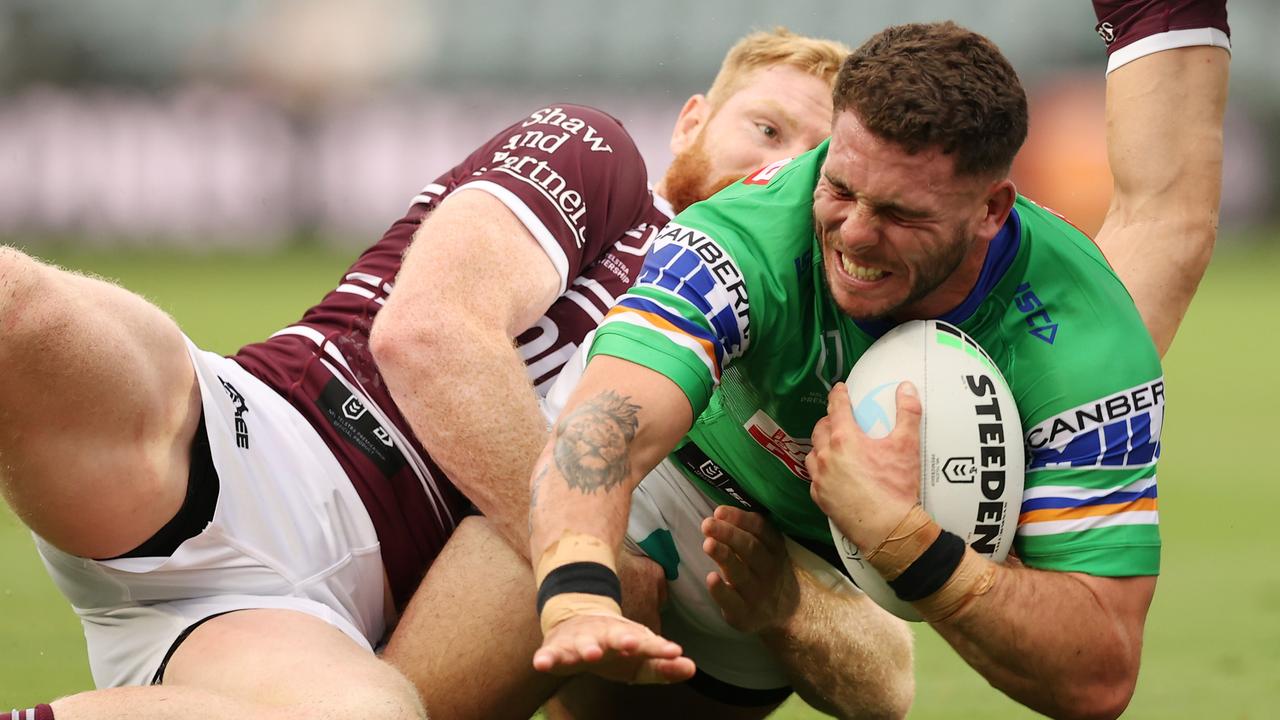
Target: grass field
1213, 636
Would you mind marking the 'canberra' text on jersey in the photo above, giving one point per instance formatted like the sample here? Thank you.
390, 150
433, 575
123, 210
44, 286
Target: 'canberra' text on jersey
732, 306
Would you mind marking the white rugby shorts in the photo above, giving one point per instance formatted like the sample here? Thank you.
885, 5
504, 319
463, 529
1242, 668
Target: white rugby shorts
288, 532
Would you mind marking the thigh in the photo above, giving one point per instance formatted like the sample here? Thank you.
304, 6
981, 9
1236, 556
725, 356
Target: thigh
468, 636
289, 659
98, 406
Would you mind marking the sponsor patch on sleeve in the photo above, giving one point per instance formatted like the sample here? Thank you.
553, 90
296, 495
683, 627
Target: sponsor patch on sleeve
1121, 430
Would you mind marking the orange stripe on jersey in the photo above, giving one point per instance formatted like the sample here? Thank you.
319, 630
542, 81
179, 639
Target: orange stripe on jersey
1086, 511
665, 325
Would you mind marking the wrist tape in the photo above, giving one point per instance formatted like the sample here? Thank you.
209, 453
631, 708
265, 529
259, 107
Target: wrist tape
576, 577
931, 568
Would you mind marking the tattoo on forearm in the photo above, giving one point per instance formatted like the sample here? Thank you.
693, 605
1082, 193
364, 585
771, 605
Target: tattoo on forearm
534, 492
593, 443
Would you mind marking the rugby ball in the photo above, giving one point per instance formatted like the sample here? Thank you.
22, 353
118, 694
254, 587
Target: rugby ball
971, 449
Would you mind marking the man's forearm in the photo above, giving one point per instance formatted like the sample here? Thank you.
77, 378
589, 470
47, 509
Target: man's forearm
1046, 640
1160, 230
845, 655
465, 391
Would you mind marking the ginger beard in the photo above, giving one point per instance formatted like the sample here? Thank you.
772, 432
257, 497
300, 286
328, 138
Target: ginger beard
688, 179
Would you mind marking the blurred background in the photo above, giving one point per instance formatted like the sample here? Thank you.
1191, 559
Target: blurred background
227, 158
244, 123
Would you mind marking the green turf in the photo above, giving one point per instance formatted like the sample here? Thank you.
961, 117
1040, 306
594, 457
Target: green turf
1213, 637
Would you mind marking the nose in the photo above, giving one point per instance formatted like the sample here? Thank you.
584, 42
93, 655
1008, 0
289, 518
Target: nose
860, 230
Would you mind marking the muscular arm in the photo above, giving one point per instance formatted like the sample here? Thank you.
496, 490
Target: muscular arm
1164, 142
618, 424
473, 279
1064, 644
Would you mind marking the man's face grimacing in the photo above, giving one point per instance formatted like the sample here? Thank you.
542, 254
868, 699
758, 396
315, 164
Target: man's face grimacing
903, 237
777, 112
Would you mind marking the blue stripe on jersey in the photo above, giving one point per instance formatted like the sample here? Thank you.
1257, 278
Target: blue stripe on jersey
1115, 498
684, 273
683, 325
680, 271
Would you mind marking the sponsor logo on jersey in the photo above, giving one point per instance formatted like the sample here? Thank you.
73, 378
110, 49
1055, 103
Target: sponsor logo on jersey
1119, 430
1107, 32
242, 409
766, 173
791, 451
689, 264
1037, 316
350, 418
572, 126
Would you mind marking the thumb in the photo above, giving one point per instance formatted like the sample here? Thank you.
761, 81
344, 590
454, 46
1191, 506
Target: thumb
909, 410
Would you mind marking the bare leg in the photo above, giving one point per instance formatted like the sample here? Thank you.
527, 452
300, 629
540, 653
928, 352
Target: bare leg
468, 636
261, 665
590, 697
98, 407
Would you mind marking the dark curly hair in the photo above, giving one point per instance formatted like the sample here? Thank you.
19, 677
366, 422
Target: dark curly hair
937, 85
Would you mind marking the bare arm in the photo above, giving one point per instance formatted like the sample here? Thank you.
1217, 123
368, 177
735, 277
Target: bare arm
1064, 644
473, 280
619, 423
1164, 143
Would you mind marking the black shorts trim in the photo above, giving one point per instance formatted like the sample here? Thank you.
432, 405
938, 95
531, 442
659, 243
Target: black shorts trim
197, 507
158, 678
730, 694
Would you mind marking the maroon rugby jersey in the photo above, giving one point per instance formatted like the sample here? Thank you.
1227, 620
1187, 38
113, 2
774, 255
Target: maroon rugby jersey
574, 177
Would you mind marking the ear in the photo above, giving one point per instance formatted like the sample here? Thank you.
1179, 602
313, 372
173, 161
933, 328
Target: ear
999, 203
692, 117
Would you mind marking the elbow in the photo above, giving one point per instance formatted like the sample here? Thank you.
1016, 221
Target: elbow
402, 345
1104, 699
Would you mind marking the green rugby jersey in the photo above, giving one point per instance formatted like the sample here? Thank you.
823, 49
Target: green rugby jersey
732, 306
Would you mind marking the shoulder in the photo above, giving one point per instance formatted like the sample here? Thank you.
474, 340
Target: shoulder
1073, 330
765, 217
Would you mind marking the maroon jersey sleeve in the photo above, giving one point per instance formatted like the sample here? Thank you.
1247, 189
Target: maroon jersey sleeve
571, 174
1133, 28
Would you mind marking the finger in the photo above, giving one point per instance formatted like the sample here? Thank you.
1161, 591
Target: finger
731, 565
587, 648
552, 658
821, 433
907, 424
654, 646
726, 596
755, 523
665, 671
740, 540
840, 411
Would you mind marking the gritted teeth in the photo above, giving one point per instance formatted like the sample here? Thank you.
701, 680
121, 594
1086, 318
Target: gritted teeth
860, 272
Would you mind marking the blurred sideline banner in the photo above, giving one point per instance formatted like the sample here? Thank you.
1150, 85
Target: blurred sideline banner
207, 167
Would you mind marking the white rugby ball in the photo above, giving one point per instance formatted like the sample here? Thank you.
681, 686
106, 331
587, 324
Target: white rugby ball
971, 452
